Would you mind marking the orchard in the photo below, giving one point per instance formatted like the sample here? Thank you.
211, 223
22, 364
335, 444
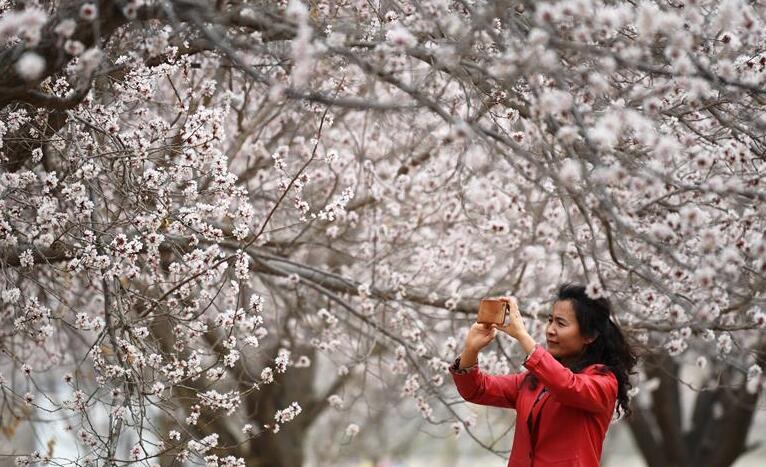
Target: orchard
226, 225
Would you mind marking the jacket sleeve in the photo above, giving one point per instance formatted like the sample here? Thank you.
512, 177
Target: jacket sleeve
588, 391
479, 388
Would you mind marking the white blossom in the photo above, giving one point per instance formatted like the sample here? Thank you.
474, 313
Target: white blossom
570, 172
594, 290
30, 66
88, 11
754, 379
400, 37
11, 295
352, 430
26, 259
288, 414
66, 27
204, 445
335, 401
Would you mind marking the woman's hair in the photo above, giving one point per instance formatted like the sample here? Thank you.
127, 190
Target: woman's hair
609, 348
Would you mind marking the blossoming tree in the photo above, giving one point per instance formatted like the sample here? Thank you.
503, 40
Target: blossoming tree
201, 200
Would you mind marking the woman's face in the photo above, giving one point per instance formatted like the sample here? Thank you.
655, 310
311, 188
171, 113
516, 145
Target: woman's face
562, 334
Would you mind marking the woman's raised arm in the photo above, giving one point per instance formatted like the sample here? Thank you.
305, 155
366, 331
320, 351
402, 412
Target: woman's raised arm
474, 385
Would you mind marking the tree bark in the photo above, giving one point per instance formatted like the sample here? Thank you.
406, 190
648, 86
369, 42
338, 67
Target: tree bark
709, 441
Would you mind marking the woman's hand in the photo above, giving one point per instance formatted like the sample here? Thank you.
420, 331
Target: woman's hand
479, 335
515, 328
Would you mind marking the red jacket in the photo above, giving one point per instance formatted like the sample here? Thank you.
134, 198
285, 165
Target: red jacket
570, 419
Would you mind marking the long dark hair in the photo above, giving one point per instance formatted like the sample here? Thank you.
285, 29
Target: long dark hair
610, 348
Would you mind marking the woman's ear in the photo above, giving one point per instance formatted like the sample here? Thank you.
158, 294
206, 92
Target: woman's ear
589, 339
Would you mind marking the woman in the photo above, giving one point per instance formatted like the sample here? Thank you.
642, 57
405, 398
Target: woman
584, 373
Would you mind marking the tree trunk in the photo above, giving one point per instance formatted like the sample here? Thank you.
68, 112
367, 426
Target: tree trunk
710, 441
